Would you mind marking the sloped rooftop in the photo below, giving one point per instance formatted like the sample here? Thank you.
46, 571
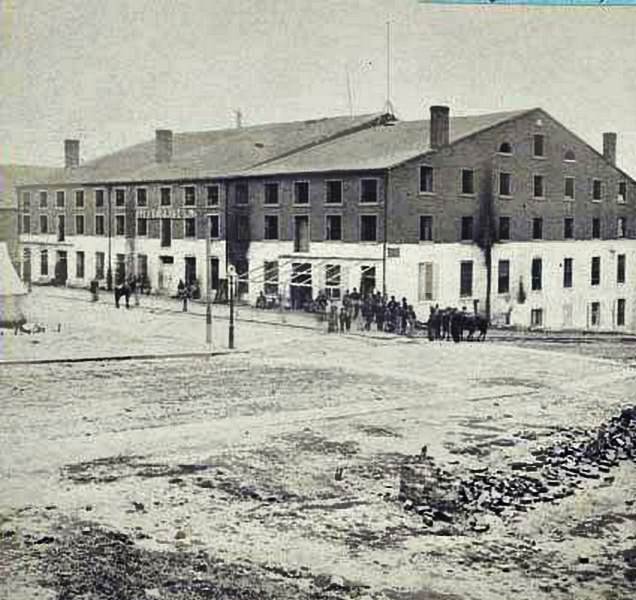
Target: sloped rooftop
377, 147
211, 153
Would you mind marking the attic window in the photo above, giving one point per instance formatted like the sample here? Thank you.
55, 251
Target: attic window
570, 156
259, 145
505, 148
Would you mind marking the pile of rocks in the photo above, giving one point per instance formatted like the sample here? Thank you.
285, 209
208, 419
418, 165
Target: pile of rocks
557, 471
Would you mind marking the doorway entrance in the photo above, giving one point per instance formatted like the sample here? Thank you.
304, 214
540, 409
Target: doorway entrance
61, 268
190, 274
300, 285
367, 280
166, 274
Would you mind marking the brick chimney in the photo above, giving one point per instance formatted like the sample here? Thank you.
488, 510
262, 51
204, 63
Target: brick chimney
609, 147
440, 126
163, 145
71, 153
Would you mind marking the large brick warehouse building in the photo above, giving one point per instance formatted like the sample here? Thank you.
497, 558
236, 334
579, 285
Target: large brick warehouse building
506, 211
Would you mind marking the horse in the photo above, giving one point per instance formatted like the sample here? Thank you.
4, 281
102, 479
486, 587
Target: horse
472, 323
124, 291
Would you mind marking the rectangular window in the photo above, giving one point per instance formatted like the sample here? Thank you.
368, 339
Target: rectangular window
166, 233
79, 224
569, 188
270, 276
44, 199
166, 196
142, 197
425, 288
189, 195
44, 262
301, 192
568, 228
120, 225
503, 283
26, 200
271, 193
538, 145
99, 198
79, 265
242, 193
333, 192
538, 189
536, 317
214, 225
620, 312
537, 228
595, 271
426, 228
271, 227
79, 198
334, 228
468, 181
242, 228
190, 228
44, 224
332, 280
61, 228
368, 228
100, 259
142, 226
620, 268
504, 228
597, 189
368, 191
595, 314
567, 272
467, 229
213, 194
26, 224
621, 223
120, 197
426, 179
142, 266
596, 228
60, 199
622, 192
505, 184
466, 278
99, 225
537, 274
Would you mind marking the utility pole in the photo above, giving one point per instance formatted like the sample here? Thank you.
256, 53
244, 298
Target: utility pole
208, 283
231, 279
109, 272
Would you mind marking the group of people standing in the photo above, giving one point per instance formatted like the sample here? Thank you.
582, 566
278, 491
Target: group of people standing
450, 324
389, 315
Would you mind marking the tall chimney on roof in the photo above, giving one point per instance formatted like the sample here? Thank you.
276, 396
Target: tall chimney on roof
440, 126
71, 153
163, 145
239, 118
609, 147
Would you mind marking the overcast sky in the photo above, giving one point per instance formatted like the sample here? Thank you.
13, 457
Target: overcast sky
110, 72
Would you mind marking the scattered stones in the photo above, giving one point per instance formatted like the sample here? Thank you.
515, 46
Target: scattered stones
555, 473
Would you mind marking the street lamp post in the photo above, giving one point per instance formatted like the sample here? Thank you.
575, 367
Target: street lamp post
231, 278
208, 283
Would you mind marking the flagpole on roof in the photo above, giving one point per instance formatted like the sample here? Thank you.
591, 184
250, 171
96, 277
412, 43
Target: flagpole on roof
388, 106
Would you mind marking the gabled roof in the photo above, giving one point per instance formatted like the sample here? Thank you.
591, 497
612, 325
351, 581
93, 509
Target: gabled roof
378, 147
15, 175
209, 154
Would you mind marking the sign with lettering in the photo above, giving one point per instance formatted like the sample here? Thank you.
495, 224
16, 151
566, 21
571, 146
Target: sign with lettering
166, 213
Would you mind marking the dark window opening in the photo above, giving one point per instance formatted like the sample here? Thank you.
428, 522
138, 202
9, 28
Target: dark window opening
142, 226
620, 311
120, 197
537, 273
271, 227
368, 191
426, 228
538, 145
79, 224
142, 197
241, 193
503, 281
568, 228
505, 184
166, 196
426, 179
301, 192
79, 198
597, 189
569, 188
334, 228
537, 228
44, 224
189, 195
596, 228
120, 225
99, 225
538, 187
468, 183
595, 274
190, 228
620, 268
466, 278
214, 226
334, 192
79, 265
368, 228
61, 228
505, 148
504, 228
467, 229
60, 199
213, 193
567, 272
271, 193
99, 198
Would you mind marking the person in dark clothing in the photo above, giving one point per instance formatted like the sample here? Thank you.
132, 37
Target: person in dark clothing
379, 315
343, 319
403, 315
356, 301
433, 316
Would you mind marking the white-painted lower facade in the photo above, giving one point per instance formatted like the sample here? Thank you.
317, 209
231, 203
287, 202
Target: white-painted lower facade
427, 274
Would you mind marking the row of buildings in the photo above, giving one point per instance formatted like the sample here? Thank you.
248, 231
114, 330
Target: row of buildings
508, 212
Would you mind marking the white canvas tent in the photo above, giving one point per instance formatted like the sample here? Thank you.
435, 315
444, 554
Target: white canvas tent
13, 294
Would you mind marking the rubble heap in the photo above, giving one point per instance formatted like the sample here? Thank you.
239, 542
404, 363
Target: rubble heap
554, 472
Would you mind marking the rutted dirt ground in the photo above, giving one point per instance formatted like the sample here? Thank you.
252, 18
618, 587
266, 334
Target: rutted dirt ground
276, 474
